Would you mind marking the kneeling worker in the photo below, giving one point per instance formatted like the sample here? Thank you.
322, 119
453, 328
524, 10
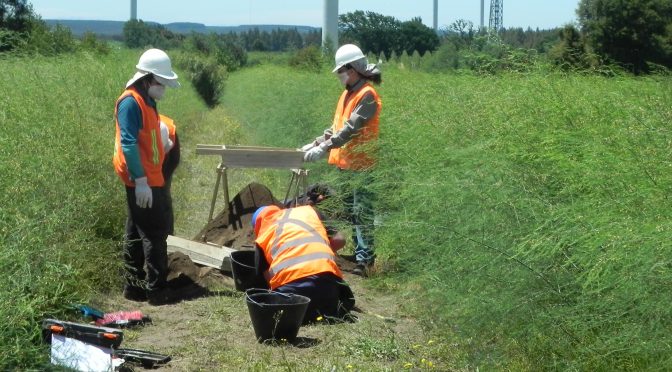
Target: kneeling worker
295, 254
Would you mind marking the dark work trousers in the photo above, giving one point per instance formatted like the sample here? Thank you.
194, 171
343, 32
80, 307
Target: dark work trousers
145, 241
170, 163
359, 205
330, 297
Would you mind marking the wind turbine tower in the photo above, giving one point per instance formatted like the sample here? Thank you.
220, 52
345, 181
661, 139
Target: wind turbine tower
330, 25
482, 14
134, 10
436, 15
496, 15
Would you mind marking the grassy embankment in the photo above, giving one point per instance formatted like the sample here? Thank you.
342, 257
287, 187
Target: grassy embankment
525, 217
62, 208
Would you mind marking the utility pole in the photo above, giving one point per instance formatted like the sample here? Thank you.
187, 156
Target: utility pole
496, 15
134, 10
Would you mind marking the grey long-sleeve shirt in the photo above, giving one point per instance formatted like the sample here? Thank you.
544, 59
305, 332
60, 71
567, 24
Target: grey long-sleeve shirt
358, 119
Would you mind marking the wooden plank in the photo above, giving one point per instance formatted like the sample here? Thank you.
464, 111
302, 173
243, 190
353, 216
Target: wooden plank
210, 255
254, 156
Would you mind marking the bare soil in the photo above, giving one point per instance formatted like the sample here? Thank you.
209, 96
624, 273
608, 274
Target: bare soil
212, 330
232, 226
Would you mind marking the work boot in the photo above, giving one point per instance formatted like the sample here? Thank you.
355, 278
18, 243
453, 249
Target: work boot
134, 293
349, 257
360, 270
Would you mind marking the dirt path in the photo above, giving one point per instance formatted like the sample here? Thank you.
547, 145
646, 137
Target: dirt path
214, 332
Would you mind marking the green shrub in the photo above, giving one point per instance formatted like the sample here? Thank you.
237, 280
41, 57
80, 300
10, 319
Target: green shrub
223, 48
90, 42
206, 74
10, 40
309, 59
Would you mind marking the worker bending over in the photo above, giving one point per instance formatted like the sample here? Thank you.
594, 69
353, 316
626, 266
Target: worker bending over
296, 254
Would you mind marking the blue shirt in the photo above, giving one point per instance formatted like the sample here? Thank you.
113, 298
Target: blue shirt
129, 117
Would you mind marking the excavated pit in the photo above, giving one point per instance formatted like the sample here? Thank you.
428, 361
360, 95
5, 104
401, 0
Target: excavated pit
231, 228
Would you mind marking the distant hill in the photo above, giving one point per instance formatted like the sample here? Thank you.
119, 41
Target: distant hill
113, 28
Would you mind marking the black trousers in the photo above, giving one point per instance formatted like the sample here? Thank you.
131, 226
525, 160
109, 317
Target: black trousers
145, 241
330, 297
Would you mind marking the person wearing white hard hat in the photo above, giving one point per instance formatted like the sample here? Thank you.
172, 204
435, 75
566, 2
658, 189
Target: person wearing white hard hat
138, 160
350, 144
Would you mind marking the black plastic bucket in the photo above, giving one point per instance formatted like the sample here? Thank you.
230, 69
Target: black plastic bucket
244, 272
275, 316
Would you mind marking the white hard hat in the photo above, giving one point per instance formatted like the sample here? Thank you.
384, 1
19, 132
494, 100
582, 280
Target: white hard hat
346, 54
156, 62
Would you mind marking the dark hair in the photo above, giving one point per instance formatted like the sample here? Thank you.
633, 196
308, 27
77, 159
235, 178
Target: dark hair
147, 78
375, 79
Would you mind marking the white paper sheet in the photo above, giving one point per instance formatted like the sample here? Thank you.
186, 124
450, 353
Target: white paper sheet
72, 353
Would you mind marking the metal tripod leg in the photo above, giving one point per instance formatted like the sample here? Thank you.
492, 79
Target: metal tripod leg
221, 174
298, 182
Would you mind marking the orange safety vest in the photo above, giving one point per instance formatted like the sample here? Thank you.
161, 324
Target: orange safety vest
149, 143
355, 154
170, 123
295, 244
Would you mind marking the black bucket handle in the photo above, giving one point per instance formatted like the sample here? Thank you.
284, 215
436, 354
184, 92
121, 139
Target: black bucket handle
262, 290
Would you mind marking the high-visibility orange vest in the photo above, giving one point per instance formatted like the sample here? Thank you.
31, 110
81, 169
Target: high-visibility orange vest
295, 244
170, 123
356, 153
149, 144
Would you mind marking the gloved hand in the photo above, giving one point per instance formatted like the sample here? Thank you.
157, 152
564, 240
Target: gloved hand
165, 138
143, 193
308, 147
316, 153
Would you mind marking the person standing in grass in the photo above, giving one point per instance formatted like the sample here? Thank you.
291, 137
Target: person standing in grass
350, 143
295, 253
138, 160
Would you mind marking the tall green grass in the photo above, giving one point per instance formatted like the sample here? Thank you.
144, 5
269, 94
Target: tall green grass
62, 208
524, 217
528, 214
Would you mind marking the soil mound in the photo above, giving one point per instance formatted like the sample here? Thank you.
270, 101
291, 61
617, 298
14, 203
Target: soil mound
232, 226
182, 272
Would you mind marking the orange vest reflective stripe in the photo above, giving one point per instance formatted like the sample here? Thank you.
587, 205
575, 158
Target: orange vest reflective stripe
356, 154
170, 124
149, 143
295, 244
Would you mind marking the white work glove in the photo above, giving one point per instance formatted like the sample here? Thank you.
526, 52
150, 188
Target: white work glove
165, 138
308, 147
143, 193
316, 153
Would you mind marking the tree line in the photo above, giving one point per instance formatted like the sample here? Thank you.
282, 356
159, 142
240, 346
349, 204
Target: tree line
635, 35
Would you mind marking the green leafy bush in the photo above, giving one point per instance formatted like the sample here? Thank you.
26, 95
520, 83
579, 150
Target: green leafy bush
309, 58
224, 49
90, 42
206, 74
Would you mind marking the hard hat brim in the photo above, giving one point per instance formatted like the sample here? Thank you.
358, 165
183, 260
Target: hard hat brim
138, 75
350, 60
169, 82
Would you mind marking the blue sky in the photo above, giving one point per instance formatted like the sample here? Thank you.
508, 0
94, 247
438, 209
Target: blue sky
517, 13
